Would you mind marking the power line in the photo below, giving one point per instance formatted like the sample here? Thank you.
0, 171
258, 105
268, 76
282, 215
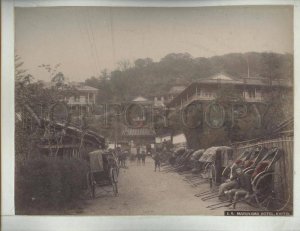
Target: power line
96, 49
112, 34
90, 44
93, 42
81, 35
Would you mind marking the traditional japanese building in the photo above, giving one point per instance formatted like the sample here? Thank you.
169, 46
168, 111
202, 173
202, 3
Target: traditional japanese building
139, 133
84, 100
248, 89
139, 136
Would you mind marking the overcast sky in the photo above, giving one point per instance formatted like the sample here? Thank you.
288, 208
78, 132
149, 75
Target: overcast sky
86, 40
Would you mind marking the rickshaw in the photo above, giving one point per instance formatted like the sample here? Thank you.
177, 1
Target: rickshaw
182, 158
192, 163
215, 160
195, 160
103, 171
268, 186
248, 159
176, 154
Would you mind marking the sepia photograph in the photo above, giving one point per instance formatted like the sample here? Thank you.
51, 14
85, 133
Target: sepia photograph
126, 111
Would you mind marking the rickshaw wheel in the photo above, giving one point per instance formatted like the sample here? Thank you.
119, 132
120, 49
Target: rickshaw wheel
213, 174
92, 185
114, 175
248, 171
269, 192
115, 189
114, 180
93, 190
226, 172
118, 171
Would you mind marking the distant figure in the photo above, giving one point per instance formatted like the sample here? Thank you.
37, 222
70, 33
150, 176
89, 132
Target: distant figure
123, 159
143, 157
139, 156
157, 160
119, 156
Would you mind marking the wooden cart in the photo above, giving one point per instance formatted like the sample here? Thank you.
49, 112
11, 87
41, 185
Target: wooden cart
103, 171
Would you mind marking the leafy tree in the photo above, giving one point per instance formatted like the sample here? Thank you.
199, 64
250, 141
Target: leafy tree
150, 79
59, 80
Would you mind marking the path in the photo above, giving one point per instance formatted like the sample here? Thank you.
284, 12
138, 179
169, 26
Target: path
145, 192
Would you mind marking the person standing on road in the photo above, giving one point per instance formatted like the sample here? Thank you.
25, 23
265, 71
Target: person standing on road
118, 154
123, 161
157, 161
143, 157
138, 155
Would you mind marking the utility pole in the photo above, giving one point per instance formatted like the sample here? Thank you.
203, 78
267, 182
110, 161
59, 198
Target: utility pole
248, 66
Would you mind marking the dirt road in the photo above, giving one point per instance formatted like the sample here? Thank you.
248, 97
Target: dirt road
145, 192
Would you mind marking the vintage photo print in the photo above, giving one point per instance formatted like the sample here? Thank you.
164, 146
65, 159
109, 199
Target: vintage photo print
123, 111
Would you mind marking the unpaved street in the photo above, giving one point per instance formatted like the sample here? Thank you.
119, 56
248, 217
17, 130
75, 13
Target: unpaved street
145, 192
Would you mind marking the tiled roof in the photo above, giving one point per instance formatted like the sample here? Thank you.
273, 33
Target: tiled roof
138, 132
140, 99
222, 77
176, 89
246, 81
86, 88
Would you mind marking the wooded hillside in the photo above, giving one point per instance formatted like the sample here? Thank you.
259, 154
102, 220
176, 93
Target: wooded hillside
148, 78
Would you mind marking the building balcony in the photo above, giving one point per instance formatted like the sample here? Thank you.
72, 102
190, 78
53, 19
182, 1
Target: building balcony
206, 98
254, 99
73, 103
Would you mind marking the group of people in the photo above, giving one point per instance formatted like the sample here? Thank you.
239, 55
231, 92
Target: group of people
238, 186
121, 156
141, 157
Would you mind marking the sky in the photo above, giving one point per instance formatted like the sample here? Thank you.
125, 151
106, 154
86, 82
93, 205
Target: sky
86, 40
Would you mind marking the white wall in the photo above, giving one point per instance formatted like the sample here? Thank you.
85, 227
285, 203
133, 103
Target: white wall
178, 139
160, 139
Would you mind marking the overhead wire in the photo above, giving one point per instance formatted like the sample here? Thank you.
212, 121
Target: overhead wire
93, 42
78, 18
94, 45
90, 43
112, 34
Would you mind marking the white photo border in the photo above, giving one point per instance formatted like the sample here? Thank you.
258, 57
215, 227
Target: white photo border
11, 222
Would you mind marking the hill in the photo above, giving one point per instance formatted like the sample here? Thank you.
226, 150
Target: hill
148, 78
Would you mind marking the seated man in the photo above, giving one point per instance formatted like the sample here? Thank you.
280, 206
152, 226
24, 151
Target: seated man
232, 182
243, 189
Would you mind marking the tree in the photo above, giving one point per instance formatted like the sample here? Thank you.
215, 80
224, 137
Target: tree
271, 65
141, 63
105, 75
150, 79
59, 80
124, 65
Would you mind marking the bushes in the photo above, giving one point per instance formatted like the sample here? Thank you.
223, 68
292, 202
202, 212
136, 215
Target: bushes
48, 184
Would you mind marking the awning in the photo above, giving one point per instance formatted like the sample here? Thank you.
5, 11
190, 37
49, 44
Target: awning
197, 154
210, 154
96, 161
138, 132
